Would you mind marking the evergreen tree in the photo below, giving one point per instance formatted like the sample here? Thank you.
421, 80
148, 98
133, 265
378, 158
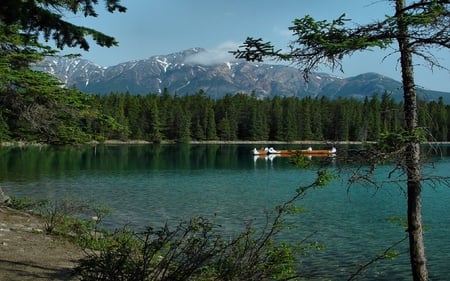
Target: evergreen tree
227, 112
166, 115
45, 18
151, 119
276, 119
181, 122
36, 107
305, 122
211, 130
415, 26
326, 113
340, 121
439, 128
316, 121
133, 111
290, 121
114, 106
389, 113
224, 129
4, 130
183, 130
257, 120
374, 115
199, 106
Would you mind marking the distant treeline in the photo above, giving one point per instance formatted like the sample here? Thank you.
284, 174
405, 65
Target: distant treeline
67, 116
244, 117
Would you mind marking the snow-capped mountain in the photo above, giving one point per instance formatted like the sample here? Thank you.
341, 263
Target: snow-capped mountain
182, 73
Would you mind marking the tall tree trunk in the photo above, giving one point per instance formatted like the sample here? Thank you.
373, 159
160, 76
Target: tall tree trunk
412, 156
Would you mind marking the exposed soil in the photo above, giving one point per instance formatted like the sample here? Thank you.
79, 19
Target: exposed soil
27, 253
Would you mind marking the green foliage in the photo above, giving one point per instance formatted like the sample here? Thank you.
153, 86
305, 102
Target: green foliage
243, 117
46, 18
58, 215
4, 129
330, 41
74, 219
324, 42
197, 250
301, 161
255, 50
391, 142
66, 116
324, 177
282, 259
115, 261
391, 254
34, 107
25, 203
192, 251
294, 210
71, 219
402, 221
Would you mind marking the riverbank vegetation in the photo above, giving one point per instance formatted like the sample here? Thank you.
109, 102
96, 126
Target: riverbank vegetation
195, 249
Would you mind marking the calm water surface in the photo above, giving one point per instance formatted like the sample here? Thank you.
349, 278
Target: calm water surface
151, 185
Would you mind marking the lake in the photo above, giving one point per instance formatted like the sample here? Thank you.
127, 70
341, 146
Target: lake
152, 184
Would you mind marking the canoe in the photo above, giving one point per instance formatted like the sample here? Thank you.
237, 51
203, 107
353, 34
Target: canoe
261, 151
309, 151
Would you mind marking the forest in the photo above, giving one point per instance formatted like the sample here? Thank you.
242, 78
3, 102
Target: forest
167, 117
244, 117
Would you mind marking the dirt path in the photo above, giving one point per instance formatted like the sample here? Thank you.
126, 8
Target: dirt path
26, 253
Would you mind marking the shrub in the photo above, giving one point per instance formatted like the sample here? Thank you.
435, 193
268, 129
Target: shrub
196, 250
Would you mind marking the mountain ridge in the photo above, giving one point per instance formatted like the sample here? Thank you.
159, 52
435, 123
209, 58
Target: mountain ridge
184, 73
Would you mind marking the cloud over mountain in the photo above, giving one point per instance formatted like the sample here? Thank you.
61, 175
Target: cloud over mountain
216, 55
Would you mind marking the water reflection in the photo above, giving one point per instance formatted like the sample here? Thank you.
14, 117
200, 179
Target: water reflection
31, 163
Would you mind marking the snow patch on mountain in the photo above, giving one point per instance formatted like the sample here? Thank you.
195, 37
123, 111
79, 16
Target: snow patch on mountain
191, 70
163, 62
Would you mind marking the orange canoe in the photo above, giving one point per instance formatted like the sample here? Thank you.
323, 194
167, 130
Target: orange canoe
309, 151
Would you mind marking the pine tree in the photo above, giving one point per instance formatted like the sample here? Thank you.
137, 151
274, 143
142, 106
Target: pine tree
151, 119
45, 19
276, 120
439, 128
415, 27
211, 129
290, 121
305, 117
316, 121
36, 107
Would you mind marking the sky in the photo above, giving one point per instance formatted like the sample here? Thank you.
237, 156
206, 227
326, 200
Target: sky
161, 27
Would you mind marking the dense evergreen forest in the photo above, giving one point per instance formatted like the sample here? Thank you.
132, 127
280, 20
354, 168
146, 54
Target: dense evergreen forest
168, 117
244, 117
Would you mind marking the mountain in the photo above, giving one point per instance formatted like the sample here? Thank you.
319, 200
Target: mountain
184, 73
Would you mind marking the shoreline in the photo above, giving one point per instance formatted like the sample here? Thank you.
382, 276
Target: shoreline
29, 254
143, 142
210, 142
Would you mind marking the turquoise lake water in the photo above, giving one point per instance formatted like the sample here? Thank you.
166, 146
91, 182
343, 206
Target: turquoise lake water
150, 185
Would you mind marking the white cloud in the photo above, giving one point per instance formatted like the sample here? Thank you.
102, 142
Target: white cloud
216, 55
